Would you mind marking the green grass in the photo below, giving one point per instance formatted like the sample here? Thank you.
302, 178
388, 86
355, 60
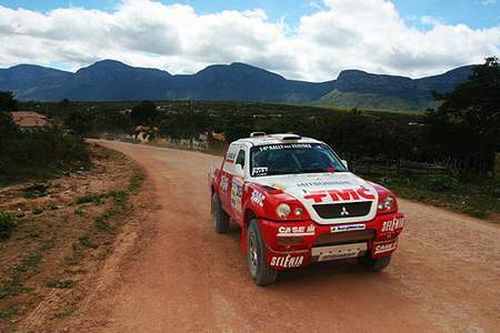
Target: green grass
35, 190
14, 285
7, 226
66, 312
135, 182
37, 210
65, 284
101, 222
8, 314
95, 199
85, 241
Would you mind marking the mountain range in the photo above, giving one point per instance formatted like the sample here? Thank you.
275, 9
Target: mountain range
110, 80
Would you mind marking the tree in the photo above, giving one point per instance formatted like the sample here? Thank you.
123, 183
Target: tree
7, 101
466, 127
7, 126
144, 113
80, 122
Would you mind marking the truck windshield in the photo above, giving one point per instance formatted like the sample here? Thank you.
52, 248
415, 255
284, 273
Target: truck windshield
293, 158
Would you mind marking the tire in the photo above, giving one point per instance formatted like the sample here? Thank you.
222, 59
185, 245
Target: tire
374, 265
262, 274
219, 216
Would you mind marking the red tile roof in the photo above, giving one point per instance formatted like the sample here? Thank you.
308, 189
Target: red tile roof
29, 119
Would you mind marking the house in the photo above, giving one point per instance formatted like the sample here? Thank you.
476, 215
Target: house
145, 134
29, 119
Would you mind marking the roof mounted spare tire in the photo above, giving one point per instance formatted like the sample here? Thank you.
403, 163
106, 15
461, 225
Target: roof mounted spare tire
219, 216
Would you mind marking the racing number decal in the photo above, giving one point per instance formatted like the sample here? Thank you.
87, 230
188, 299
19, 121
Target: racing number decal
236, 194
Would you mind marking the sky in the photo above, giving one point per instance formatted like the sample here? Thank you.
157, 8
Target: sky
300, 39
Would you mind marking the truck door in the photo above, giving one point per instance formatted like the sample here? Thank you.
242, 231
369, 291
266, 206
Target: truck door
227, 177
238, 177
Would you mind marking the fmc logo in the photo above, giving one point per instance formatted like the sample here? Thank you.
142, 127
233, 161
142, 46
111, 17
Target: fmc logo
341, 195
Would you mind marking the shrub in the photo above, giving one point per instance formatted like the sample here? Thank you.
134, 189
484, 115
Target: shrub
6, 226
438, 182
39, 154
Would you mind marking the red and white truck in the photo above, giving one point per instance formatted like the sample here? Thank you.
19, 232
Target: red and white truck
297, 203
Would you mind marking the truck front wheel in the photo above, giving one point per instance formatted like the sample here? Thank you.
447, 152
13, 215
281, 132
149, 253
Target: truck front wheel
260, 272
374, 265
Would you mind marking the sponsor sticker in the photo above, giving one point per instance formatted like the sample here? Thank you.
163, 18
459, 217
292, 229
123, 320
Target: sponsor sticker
258, 198
296, 231
317, 183
287, 261
287, 146
386, 247
236, 192
259, 171
341, 195
394, 224
349, 227
224, 183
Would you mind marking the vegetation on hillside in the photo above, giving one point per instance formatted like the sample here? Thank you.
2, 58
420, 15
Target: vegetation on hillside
37, 153
458, 140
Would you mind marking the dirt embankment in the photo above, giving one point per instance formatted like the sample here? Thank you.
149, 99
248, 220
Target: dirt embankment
69, 234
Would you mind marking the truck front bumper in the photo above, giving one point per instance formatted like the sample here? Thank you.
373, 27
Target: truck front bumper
296, 244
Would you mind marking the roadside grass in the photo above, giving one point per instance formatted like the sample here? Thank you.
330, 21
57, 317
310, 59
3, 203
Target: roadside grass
66, 312
477, 198
95, 199
35, 190
64, 284
27, 267
7, 226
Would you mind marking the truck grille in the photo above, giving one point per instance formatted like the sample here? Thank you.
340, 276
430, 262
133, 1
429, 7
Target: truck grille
343, 210
347, 237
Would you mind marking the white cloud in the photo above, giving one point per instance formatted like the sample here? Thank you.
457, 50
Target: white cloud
430, 20
488, 2
341, 34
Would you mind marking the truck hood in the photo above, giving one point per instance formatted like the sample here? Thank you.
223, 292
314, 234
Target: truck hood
340, 188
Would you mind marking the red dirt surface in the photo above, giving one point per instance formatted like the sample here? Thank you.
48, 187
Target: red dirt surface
444, 277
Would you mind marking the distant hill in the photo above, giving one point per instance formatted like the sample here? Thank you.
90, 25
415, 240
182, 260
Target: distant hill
110, 80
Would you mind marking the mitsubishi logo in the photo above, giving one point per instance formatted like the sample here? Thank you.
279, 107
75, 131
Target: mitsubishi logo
344, 212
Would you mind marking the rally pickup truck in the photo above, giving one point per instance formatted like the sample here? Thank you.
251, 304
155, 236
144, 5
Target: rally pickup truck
297, 203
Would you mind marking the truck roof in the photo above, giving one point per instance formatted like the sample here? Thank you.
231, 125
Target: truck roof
260, 139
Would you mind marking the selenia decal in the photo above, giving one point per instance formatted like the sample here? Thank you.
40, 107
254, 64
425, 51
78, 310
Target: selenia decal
394, 224
287, 261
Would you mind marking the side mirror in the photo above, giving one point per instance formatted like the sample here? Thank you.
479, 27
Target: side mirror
344, 162
238, 171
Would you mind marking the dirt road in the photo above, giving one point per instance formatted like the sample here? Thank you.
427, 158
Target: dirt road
445, 276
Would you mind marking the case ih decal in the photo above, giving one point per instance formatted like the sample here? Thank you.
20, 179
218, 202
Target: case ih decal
284, 231
297, 203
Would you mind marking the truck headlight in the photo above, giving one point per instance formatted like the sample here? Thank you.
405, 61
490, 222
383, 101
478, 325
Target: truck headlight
283, 210
386, 204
